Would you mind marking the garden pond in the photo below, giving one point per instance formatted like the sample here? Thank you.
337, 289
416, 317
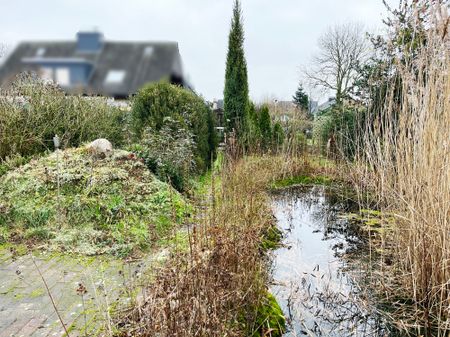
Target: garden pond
318, 271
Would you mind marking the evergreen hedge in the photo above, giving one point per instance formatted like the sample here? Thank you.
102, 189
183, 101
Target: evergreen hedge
157, 101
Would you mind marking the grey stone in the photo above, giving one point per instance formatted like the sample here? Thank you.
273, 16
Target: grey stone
100, 147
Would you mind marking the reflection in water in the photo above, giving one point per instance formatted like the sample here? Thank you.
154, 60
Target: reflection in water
312, 283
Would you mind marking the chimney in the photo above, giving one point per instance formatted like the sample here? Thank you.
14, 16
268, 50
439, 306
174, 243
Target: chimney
89, 42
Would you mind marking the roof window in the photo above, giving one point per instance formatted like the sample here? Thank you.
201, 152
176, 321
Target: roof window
40, 52
115, 76
63, 76
148, 51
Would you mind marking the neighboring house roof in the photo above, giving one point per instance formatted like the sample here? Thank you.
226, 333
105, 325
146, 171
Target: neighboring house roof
285, 105
218, 105
324, 106
313, 105
114, 69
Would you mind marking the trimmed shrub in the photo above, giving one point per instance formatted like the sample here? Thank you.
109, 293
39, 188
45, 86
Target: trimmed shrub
33, 111
157, 101
168, 152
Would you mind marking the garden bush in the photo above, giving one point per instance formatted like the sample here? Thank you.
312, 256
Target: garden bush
168, 152
342, 124
157, 101
278, 135
265, 127
32, 111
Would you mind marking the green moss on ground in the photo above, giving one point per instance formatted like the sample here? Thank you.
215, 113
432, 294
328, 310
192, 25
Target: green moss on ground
272, 238
112, 205
302, 180
269, 318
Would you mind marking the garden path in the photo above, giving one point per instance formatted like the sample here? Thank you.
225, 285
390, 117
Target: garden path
26, 309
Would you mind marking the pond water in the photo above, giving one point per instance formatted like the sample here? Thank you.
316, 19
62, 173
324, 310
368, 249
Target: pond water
314, 282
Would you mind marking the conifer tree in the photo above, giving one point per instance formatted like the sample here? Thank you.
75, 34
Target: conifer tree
278, 134
265, 127
236, 80
300, 98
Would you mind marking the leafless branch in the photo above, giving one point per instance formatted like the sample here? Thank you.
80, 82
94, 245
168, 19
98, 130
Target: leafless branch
342, 47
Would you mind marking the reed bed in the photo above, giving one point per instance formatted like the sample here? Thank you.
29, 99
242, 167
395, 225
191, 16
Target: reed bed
406, 166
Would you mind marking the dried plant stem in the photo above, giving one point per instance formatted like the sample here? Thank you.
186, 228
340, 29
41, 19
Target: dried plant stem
50, 296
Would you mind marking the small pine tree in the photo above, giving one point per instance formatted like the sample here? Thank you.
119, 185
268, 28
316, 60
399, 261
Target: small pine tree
301, 99
278, 135
236, 78
253, 117
253, 134
265, 127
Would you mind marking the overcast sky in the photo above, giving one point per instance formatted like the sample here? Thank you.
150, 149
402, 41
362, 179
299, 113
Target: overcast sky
281, 35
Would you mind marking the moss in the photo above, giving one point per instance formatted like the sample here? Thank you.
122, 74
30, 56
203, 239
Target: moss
269, 317
37, 293
373, 221
21, 249
19, 297
272, 238
371, 212
112, 205
302, 180
180, 240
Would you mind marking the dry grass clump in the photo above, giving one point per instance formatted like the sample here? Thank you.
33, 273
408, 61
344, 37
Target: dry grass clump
408, 157
214, 288
33, 111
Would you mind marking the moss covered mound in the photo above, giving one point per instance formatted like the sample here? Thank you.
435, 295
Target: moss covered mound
112, 205
270, 320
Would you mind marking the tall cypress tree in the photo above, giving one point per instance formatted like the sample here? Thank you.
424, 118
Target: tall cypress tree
236, 80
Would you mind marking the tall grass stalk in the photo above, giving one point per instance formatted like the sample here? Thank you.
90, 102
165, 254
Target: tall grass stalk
407, 164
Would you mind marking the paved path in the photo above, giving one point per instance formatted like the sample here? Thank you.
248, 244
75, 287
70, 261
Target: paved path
26, 308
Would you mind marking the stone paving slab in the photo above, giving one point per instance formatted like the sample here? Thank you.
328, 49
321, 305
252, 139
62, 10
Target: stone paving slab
26, 309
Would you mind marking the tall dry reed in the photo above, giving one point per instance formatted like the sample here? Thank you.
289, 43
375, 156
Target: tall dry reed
407, 165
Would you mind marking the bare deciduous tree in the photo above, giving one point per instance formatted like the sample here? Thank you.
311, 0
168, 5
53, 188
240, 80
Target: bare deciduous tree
341, 48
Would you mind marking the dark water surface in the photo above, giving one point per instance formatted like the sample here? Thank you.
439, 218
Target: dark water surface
313, 283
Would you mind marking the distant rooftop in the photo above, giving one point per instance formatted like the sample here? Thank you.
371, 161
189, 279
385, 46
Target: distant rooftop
92, 65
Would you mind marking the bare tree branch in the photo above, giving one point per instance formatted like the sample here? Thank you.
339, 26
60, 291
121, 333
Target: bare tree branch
341, 49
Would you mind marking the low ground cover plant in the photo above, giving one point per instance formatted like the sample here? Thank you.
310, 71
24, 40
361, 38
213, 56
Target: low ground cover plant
71, 201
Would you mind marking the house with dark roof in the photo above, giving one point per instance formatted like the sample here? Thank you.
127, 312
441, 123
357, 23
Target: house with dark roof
93, 66
324, 106
217, 107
